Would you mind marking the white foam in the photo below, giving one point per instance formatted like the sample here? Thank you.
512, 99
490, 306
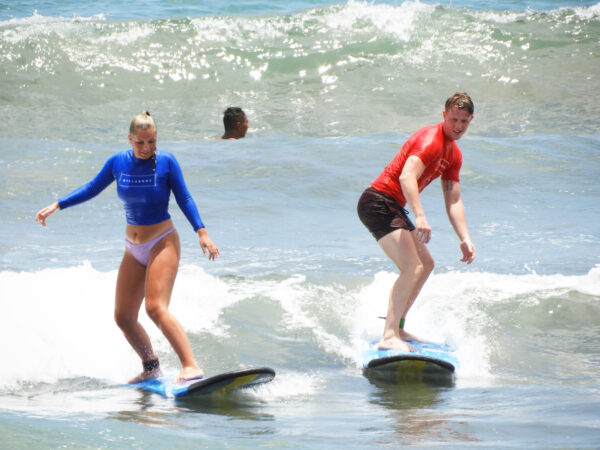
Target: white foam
451, 309
588, 13
59, 323
287, 385
395, 20
201, 298
36, 18
128, 36
20, 29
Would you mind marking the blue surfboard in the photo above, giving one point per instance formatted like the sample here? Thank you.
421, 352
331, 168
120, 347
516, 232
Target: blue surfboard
429, 359
221, 384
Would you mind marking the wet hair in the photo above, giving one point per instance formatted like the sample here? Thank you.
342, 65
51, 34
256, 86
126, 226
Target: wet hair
231, 116
462, 101
143, 121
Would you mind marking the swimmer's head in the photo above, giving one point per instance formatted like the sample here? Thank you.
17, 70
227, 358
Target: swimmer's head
143, 121
462, 101
235, 122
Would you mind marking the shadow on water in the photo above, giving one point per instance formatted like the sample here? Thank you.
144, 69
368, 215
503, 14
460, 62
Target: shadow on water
404, 389
154, 409
127, 404
416, 401
235, 405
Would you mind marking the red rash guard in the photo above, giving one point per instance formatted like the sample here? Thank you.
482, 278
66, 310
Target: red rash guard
440, 155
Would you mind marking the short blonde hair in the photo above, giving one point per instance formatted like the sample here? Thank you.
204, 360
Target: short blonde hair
143, 121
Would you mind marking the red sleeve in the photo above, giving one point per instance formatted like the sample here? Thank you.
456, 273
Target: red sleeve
424, 144
452, 172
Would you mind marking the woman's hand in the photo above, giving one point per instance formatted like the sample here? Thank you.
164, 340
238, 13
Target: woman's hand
45, 212
207, 245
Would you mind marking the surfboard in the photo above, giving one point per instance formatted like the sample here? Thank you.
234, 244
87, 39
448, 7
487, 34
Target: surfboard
429, 359
217, 384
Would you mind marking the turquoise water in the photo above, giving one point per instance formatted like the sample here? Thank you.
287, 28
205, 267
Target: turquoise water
331, 90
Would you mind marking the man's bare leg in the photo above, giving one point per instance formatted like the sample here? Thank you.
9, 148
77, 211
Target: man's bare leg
428, 265
400, 248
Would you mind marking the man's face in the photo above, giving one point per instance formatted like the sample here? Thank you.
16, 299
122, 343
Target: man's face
243, 126
456, 122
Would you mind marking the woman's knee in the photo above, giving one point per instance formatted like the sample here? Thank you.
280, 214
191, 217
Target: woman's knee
125, 320
156, 311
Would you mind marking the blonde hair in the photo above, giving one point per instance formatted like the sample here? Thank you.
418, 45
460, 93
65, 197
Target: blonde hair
143, 121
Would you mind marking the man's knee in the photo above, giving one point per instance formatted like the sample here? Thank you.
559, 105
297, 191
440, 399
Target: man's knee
419, 271
414, 270
422, 268
428, 266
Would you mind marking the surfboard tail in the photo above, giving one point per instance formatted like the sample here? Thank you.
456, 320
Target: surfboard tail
218, 384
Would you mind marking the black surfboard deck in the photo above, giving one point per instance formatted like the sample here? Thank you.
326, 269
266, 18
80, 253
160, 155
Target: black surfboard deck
221, 383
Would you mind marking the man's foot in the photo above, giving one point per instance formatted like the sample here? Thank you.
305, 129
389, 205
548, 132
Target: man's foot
146, 375
395, 344
406, 336
188, 373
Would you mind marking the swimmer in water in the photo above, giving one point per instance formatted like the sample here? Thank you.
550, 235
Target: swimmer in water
145, 179
428, 154
235, 122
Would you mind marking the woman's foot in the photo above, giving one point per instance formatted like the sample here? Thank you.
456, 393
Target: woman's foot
146, 375
395, 343
190, 372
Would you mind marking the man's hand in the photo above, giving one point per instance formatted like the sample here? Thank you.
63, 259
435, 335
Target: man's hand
423, 229
468, 250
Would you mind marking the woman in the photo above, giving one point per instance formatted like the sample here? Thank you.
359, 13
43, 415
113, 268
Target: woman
145, 178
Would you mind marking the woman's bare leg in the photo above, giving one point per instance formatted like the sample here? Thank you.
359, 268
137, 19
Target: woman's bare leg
128, 300
160, 279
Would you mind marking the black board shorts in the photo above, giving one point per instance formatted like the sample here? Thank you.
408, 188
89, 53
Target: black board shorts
381, 213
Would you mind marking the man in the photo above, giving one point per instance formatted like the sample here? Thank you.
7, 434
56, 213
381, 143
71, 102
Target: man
429, 153
235, 122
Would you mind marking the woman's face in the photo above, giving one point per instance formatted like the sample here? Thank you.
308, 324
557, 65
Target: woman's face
143, 143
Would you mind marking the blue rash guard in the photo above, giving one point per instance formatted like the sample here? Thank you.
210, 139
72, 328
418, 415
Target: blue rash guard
144, 185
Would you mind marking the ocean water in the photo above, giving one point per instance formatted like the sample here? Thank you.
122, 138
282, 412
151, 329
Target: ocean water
331, 91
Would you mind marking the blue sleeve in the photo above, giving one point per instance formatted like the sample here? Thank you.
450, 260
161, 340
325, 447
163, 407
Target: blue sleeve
91, 189
182, 195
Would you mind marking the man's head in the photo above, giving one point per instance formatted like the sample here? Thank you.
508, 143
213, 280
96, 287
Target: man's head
462, 101
235, 122
458, 115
